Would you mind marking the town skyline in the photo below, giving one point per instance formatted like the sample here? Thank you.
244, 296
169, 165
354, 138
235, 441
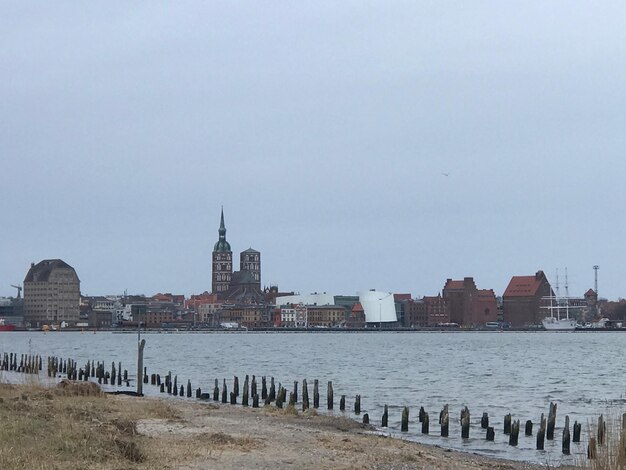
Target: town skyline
357, 146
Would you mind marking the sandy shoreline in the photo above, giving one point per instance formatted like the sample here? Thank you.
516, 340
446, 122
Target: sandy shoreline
75, 426
268, 438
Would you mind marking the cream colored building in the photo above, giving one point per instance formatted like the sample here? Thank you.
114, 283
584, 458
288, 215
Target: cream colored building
51, 294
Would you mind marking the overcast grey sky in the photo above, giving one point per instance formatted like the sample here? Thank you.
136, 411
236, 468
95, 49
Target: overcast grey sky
325, 130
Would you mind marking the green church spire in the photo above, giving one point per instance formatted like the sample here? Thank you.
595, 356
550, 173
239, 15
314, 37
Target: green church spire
222, 245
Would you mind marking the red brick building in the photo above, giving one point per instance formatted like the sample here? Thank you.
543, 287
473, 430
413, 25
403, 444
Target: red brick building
468, 305
522, 300
428, 311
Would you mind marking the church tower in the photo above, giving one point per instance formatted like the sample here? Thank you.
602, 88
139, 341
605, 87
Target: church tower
222, 262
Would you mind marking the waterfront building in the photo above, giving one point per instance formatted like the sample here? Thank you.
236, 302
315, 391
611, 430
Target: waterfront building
12, 310
356, 318
427, 311
326, 316
222, 262
523, 302
468, 305
51, 294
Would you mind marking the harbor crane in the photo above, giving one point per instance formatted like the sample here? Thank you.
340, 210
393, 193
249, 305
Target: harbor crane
19, 291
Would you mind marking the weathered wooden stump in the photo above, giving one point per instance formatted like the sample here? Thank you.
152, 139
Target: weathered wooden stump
357, 405
182, 390
255, 400
420, 415
491, 433
263, 388
305, 395
216, 391
528, 429
233, 398
342, 403
188, 388
236, 386
385, 420
445, 422
198, 393
272, 394
425, 423
507, 424
465, 423
366, 419
295, 392
245, 396
329, 396
592, 448
541, 434
484, 421
175, 385
566, 437
224, 392
253, 390
316, 394
551, 422
577, 429
404, 426
601, 430
514, 436
279, 398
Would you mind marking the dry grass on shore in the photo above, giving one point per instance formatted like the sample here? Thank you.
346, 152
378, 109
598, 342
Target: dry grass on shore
71, 426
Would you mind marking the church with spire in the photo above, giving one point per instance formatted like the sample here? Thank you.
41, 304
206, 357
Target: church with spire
243, 286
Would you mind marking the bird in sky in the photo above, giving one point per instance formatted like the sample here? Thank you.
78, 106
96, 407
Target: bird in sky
445, 174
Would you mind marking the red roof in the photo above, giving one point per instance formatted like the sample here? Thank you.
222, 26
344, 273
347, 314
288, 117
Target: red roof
523, 286
398, 297
357, 307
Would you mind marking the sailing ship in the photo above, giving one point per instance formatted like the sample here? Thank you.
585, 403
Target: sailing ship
559, 308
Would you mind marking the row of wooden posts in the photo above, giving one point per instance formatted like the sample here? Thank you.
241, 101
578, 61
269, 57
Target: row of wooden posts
250, 396
28, 364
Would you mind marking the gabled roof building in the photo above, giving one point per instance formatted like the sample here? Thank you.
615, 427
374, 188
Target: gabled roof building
523, 302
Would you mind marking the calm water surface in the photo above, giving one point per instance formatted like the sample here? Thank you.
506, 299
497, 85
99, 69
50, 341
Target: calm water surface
493, 372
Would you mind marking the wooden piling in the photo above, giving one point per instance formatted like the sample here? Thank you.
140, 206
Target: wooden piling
198, 393
420, 415
357, 405
528, 429
279, 398
316, 394
404, 426
295, 391
507, 424
233, 398
514, 436
385, 420
541, 434
188, 388
255, 400
272, 394
140, 347
484, 421
263, 388
182, 390
366, 418
245, 396
491, 433
216, 391
444, 420
305, 395
329, 396
566, 437
236, 386
465, 423
577, 429
425, 423
342, 403
601, 430
292, 399
551, 422
224, 392
592, 449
